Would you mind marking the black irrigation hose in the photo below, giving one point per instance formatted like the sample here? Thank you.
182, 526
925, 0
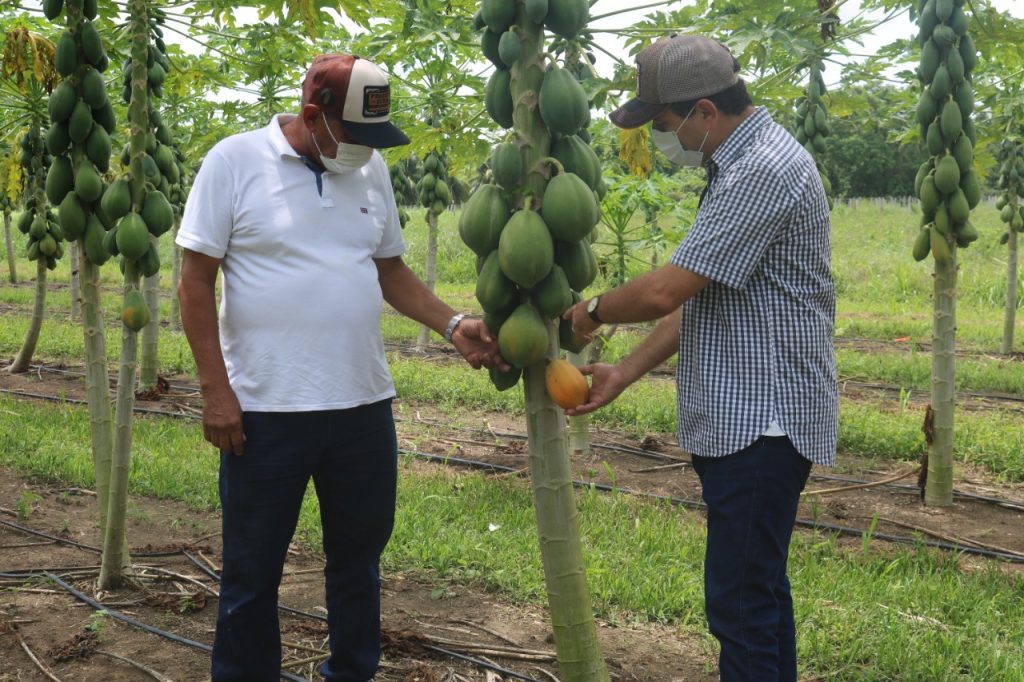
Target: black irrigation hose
79, 545
640, 452
693, 504
117, 615
306, 614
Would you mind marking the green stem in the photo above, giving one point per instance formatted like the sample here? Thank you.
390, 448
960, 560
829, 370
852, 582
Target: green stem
1012, 297
939, 487
12, 269
76, 283
97, 386
431, 272
28, 348
148, 367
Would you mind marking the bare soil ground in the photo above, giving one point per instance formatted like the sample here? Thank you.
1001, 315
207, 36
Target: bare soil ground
67, 636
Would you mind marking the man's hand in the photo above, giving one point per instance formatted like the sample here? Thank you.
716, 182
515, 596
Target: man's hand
222, 420
581, 322
607, 383
478, 346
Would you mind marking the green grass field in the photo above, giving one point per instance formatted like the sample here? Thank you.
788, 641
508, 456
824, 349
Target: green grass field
865, 611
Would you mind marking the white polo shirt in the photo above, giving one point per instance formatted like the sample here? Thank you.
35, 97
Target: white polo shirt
300, 306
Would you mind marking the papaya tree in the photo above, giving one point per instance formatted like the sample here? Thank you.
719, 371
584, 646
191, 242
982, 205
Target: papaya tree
434, 194
81, 121
139, 222
948, 188
10, 190
29, 75
1010, 182
530, 230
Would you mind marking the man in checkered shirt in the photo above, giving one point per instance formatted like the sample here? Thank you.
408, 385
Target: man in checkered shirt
748, 301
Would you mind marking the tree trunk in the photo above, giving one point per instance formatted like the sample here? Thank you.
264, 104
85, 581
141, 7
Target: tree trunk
115, 563
28, 348
76, 297
431, 274
939, 487
97, 386
1010, 317
12, 270
576, 643
174, 321
148, 365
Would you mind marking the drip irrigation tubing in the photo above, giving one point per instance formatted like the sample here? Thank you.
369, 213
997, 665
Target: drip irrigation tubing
117, 615
79, 545
640, 452
694, 504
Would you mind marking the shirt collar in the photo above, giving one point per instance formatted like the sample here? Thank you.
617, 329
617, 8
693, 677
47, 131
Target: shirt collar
733, 146
277, 139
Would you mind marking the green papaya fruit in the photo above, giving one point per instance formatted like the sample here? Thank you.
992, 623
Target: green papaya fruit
65, 59
525, 249
94, 90
92, 46
943, 9
941, 251
940, 86
80, 124
494, 290
134, 311
62, 102
569, 207
507, 165
92, 241
959, 209
947, 175
963, 152
951, 122
944, 37
576, 156
498, 14
968, 53
955, 68
59, 179
498, 97
959, 22
578, 261
504, 380
523, 339
57, 139
965, 99
510, 47
536, 10
553, 295
927, 109
482, 219
157, 213
933, 141
72, 216
489, 43
97, 148
942, 223
88, 183
52, 8
568, 339
567, 17
563, 103
117, 199
929, 195
922, 244
132, 236
104, 116
149, 264
930, 58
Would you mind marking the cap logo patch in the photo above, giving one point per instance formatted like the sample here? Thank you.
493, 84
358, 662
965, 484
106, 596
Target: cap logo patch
376, 101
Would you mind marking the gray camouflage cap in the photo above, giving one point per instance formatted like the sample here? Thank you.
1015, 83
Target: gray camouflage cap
679, 68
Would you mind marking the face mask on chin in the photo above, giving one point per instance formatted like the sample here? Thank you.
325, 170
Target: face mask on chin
347, 158
669, 145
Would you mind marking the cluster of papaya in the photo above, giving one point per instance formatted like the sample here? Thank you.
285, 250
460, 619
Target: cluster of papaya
82, 121
402, 186
811, 125
946, 183
157, 63
433, 190
45, 238
533, 252
1010, 157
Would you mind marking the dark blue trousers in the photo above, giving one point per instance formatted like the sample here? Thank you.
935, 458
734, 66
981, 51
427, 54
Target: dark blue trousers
352, 457
752, 497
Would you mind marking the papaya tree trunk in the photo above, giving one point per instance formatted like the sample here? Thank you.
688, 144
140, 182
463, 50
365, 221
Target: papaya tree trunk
148, 364
12, 270
579, 426
939, 486
576, 643
28, 348
431, 274
174, 321
116, 562
97, 385
1012, 297
76, 299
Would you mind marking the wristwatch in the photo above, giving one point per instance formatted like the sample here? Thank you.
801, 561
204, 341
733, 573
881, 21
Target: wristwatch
452, 326
592, 309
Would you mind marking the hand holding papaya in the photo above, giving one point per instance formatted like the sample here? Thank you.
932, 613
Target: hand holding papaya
478, 346
607, 382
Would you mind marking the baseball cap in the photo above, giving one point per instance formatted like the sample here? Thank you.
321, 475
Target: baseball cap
679, 68
357, 91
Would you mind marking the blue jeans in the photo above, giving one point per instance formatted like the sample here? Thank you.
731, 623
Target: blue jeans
752, 498
352, 457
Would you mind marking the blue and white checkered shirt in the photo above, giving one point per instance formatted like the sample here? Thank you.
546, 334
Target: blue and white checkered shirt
755, 345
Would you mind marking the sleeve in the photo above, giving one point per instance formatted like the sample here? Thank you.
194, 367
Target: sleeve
208, 219
392, 243
742, 214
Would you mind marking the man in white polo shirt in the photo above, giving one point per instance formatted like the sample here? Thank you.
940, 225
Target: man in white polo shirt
300, 218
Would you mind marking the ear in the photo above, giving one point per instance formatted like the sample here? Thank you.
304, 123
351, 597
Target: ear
309, 114
707, 109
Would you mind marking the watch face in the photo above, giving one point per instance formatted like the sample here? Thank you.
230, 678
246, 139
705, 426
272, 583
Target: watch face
592, 306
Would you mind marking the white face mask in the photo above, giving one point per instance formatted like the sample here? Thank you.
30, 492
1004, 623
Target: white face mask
671, 147
348, 158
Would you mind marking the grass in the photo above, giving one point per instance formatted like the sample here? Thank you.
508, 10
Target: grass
896, 613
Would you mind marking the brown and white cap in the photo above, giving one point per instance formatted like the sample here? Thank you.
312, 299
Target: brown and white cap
679, 68
357, 91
